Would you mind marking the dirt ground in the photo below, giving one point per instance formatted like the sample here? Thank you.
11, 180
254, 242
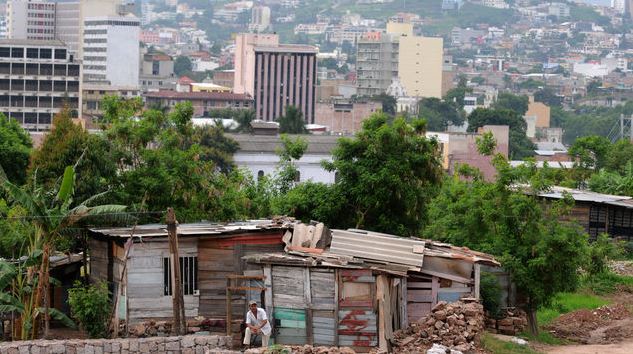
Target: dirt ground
617, 348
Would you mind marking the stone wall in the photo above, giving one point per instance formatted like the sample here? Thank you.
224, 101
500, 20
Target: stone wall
511, 322
193, 344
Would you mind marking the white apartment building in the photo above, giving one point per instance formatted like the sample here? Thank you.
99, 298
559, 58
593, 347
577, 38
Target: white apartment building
31, 19
59, 19
111, 50
37, 79
260, 18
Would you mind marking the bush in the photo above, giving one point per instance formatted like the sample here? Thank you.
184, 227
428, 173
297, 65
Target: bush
90, 306
490, 292
600, 252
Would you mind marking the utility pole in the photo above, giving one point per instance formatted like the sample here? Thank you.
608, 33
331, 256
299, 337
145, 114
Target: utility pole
180, 323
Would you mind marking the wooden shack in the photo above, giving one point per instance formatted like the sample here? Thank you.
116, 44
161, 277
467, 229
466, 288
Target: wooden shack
597, 213
135, 262
362, 286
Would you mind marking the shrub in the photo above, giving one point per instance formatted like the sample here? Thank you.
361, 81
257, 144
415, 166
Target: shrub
90, 306
600, 252
490, 291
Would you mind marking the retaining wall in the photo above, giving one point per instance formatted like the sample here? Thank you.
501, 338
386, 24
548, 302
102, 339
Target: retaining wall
192, 344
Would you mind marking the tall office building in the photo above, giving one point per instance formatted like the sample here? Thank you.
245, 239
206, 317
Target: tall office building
420, 65
37, 79
56, 19
260, 18
383, 57
111, 50
31, 19
275, 75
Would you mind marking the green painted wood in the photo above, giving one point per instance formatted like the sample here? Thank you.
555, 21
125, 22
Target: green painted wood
292, 324
290, 314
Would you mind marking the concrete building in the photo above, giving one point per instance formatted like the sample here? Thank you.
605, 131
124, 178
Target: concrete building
258, 154
343, 116
224, 78
60, 19
93, 95
416, 61
29, 19
157, 72
275, 75
37, 79
111, 50
461, 148
376, 62
420, 65
260, 18
202, 102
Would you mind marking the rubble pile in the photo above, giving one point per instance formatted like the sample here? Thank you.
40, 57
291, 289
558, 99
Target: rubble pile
511, 322
163, 328
579, 325
455, 325
306, 349
621, 267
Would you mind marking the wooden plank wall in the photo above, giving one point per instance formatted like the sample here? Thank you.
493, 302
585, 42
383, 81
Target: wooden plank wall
323, 294
98, 260
420, 297
145, 281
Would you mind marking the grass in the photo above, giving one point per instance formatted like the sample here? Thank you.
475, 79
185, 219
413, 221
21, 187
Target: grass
607, 282
568, 302
497, 346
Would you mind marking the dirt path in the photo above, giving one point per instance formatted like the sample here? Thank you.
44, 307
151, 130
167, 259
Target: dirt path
617, 348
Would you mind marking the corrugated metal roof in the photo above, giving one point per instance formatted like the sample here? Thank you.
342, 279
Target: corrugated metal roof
378, 247
195, 229
557, 192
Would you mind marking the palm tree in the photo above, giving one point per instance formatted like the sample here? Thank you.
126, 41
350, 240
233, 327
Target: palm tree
56, 219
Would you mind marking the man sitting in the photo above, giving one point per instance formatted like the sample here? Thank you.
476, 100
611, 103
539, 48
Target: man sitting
256, 323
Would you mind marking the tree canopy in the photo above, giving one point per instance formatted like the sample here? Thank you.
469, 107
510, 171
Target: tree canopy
292, 122
519, 146
15, 148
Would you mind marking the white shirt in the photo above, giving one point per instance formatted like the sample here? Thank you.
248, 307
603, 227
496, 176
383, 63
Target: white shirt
261, 316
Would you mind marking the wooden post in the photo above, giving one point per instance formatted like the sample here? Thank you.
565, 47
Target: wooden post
228, 307
477, 280
180, 326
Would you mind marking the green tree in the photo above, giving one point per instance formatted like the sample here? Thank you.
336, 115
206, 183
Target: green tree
518, 104
182, 65
590, 154
439, 114
292, 122
389, 103
519, 146
69, 144
618, 156
287, 171
386, 175
244, 119
541, 253
15, 147
547, 96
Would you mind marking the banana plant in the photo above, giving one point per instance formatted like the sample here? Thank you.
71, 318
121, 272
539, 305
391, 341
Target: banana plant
54, 217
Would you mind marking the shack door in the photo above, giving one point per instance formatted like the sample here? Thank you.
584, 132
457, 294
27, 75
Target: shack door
421, 296
357, 315
323, 293
290, 305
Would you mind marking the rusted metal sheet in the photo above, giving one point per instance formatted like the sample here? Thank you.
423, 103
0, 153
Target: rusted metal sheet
357, 328
377, 247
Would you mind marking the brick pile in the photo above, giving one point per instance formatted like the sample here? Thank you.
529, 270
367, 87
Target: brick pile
511, 322
455, 325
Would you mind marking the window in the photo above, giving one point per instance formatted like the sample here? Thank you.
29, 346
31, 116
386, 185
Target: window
188, 275
260, 174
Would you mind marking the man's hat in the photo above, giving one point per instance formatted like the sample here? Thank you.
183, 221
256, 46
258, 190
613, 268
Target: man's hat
252, 302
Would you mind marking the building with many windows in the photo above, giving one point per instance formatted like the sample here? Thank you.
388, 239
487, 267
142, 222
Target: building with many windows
37, 80
276, 75
28, 19
111, 50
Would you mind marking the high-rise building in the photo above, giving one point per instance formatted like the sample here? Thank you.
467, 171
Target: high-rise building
260, 18
56, 19
420, 65
276, 75
37, 80
31, 19
111, 50
398, 54
376, 62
